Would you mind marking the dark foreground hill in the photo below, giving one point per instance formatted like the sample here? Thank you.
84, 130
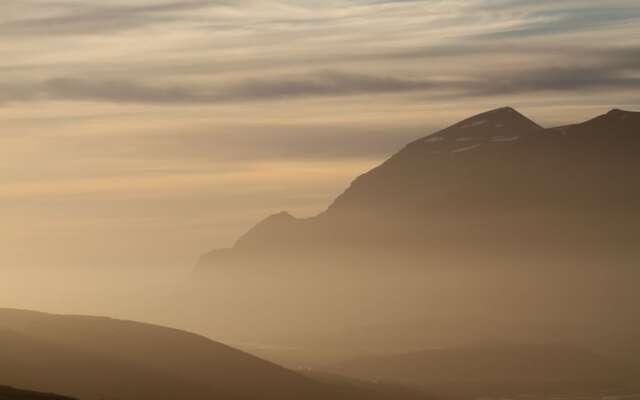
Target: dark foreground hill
100, 358
9, 393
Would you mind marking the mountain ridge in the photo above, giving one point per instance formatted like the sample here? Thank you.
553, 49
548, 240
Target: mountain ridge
464, 153
497, 230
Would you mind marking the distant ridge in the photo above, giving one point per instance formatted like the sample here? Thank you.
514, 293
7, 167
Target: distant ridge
498, 368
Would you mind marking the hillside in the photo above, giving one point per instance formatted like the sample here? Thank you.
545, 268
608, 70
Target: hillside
9, 393
97, 358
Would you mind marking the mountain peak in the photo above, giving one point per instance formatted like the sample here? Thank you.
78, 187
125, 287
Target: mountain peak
281, 221
620, 121
500, 110
500, 125
499, 117
618, 113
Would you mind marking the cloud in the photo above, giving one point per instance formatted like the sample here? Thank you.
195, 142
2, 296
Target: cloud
311, 85
558, 79
616, 69
246, 51
487, 18
79, 18
567, 20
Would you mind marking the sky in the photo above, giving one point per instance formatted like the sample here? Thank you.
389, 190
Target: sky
144, 133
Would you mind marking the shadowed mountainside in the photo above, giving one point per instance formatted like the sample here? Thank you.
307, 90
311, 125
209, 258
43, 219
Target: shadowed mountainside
491, 219
496, 179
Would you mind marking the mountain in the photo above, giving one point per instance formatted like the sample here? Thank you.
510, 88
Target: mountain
98, 358
497, 369
492, 217
495, 179
8, 393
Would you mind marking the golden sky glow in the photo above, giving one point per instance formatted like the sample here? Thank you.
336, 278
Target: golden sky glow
151, 131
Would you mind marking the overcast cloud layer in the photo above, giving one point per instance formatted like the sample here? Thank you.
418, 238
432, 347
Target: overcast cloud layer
215, 52
183, 121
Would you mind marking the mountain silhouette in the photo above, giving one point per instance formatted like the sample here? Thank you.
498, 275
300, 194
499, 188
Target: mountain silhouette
101, 358
494, 217
495, 179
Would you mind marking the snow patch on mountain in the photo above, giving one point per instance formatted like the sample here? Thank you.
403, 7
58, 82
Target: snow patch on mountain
467, 148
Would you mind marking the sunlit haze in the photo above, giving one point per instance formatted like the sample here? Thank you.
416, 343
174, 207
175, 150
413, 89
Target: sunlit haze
148, 132
319, 200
